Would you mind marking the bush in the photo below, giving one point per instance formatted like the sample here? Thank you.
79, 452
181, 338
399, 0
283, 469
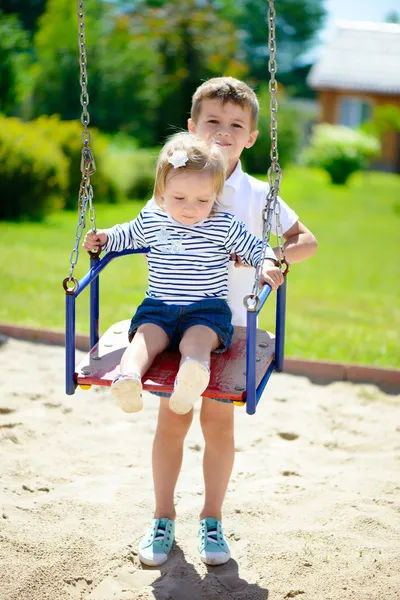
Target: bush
131, 169
386, 117
68, 134
142, 175
33, 172
290, 125
340, 151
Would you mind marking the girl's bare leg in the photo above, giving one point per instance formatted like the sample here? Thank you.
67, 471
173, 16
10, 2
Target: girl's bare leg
217, 420
149, 340
167, 457
193, 376
197, 343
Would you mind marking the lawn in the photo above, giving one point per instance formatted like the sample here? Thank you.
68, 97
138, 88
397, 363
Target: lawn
343, 304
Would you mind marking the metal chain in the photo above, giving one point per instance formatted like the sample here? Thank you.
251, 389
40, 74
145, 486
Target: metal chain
272, 206
88, 165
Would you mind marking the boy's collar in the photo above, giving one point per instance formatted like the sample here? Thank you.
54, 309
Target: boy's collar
234, 179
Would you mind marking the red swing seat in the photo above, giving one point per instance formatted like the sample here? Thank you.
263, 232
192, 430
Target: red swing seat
228, 370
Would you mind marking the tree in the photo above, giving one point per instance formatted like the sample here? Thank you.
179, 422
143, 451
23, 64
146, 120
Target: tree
194, 41
128, 73
121, 70
27, 12
392, 17
14, 60
297, 22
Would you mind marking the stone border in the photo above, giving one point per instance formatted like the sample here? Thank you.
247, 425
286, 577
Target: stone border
315, 370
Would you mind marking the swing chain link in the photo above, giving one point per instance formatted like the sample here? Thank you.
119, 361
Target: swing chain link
88, 165
272, 206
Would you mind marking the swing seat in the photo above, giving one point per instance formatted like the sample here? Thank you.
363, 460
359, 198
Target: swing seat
228, 370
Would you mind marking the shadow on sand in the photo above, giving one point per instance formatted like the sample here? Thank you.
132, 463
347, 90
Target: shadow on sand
179, 580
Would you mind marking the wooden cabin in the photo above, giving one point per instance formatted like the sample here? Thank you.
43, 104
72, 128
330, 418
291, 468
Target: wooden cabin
358, 70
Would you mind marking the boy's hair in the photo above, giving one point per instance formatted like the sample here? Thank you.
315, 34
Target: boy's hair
226, 89
198, 155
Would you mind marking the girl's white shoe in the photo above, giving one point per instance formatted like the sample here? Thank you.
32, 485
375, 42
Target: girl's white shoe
191, 381
127, 389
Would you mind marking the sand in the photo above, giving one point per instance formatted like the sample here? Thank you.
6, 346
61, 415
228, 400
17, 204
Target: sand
312, 511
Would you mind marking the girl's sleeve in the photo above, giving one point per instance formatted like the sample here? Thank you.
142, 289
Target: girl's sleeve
246, 245
128, 236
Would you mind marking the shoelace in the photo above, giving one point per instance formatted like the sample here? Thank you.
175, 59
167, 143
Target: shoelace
212, 534
160, 533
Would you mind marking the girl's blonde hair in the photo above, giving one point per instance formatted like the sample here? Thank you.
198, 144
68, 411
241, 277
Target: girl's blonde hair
191, 153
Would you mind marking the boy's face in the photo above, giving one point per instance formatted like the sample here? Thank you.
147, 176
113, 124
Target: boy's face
189, 196
228, 125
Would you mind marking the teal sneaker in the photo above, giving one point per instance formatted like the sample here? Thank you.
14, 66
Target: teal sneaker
212, 544
157, 543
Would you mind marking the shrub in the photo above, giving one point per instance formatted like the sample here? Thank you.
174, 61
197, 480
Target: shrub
290, 124
386, 117
131, 169
340, 151
68, 134
33, 171
142, 174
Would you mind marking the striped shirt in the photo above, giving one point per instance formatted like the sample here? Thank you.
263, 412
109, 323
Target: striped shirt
187, 263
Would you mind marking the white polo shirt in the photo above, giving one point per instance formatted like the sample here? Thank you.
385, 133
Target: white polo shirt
245, 196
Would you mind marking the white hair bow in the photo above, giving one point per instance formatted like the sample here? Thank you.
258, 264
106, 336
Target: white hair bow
178, 158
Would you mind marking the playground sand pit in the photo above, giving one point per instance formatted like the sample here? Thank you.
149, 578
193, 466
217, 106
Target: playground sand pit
312, 511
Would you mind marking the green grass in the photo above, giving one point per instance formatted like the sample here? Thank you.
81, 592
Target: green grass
343, 304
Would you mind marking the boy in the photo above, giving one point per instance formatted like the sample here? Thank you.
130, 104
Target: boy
224, 110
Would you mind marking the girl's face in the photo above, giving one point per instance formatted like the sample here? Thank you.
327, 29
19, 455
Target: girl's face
189, 195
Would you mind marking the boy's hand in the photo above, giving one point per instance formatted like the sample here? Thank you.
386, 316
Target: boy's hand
95, 240
238, 261
272, 275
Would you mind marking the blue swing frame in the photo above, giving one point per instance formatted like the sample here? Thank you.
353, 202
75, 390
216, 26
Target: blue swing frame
253, 393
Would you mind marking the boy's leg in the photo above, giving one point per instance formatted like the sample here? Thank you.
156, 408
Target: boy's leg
167, 457
149, 340
193, 376
217, 423
171, 431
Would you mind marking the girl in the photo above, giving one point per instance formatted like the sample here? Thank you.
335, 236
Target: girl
190, 248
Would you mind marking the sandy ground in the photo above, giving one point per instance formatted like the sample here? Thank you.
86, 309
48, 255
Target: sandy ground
312, 512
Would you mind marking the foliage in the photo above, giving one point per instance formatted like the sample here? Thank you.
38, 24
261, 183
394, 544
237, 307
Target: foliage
14, 61
33, 171
392, 17
132, 170
386, 117
295, 82
121, 71
340, 151
128, 72
143, 66
141, 175
290, 120
297, 22
67, 134
56, 79
193, 41
27, 12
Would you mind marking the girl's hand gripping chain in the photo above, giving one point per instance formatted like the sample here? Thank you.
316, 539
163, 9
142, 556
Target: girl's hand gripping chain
272, 274
95, 240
